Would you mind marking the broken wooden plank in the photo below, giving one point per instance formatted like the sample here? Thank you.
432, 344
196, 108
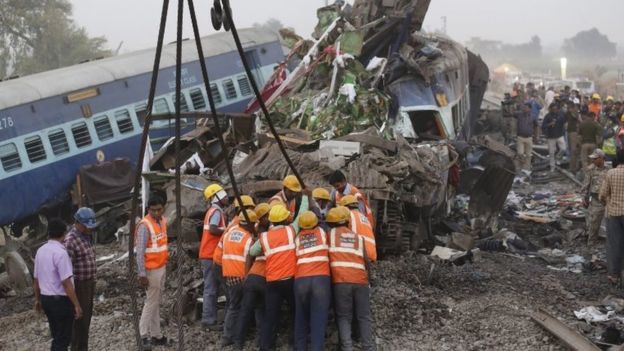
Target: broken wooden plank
567, 335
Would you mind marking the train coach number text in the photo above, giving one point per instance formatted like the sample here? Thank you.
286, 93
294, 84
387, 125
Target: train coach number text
6, 122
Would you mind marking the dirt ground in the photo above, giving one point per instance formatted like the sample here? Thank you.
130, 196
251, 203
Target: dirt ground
483, 305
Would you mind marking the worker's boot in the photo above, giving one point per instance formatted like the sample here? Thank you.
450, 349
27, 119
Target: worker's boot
147, 344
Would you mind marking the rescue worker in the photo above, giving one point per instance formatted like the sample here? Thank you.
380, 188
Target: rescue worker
358, 223
255, 284
152, 255
292, 196
278, 246
236, 244
322, 198
342, 188
524, 139
347, 261
596, 210
214, 227
312, 284
248, 204
591, 133
595, 106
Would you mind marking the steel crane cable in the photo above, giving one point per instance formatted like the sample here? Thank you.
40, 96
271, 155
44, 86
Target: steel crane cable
213, 110
228, 19
138, 175
180, 254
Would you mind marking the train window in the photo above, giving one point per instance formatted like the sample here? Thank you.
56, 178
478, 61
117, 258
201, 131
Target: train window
216, 94
58, 140
34, 149
9, 157
81, 134
243, 85
103, 128
160, 106
124, 123
197, 98
230, 89
183, 105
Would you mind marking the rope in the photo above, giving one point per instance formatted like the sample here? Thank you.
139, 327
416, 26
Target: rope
137, 178
180, 251
213, 109
228, 17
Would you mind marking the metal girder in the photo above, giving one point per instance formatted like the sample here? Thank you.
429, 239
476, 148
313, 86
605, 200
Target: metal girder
570, 337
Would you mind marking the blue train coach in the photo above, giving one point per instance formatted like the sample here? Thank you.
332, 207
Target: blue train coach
54, 122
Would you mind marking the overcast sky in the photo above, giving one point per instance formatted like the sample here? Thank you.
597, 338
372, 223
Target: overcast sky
135, 22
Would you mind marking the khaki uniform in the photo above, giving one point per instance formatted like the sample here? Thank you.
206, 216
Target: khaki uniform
596, 210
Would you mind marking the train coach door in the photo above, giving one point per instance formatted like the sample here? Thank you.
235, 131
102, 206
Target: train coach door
254, 63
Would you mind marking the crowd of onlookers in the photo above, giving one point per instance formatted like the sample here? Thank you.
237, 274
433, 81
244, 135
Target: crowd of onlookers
587, 133
573, 124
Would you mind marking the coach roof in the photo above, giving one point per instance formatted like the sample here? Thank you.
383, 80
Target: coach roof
60, 81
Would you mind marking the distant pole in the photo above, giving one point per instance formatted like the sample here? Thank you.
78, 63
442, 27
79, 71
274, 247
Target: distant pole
444, 22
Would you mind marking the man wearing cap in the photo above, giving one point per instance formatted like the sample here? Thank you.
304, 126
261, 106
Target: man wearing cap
81, 250
595, 175
591, 133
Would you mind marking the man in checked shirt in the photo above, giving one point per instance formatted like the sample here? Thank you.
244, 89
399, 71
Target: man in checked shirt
81, 250
612, 195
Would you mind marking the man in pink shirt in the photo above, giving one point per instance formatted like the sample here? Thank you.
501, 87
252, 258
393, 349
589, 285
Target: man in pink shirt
54, 286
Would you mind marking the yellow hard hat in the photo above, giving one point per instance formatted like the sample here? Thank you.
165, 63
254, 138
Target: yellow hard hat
292, 183
247, 201
278, 214
308, 220
337, 215
610, 98
211, 190
262, 209
253, 217
622, 118
596, 96
320, 194
348, 200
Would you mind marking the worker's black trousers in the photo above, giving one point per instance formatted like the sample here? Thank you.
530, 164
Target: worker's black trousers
277, 293
60, 313
85, 289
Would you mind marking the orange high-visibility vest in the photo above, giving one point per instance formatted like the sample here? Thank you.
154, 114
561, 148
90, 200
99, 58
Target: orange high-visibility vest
359, 224
217, 255
156, 252
337, 196
259, 265
346, 257
278, 245
209, 242
236, 245
312, 253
